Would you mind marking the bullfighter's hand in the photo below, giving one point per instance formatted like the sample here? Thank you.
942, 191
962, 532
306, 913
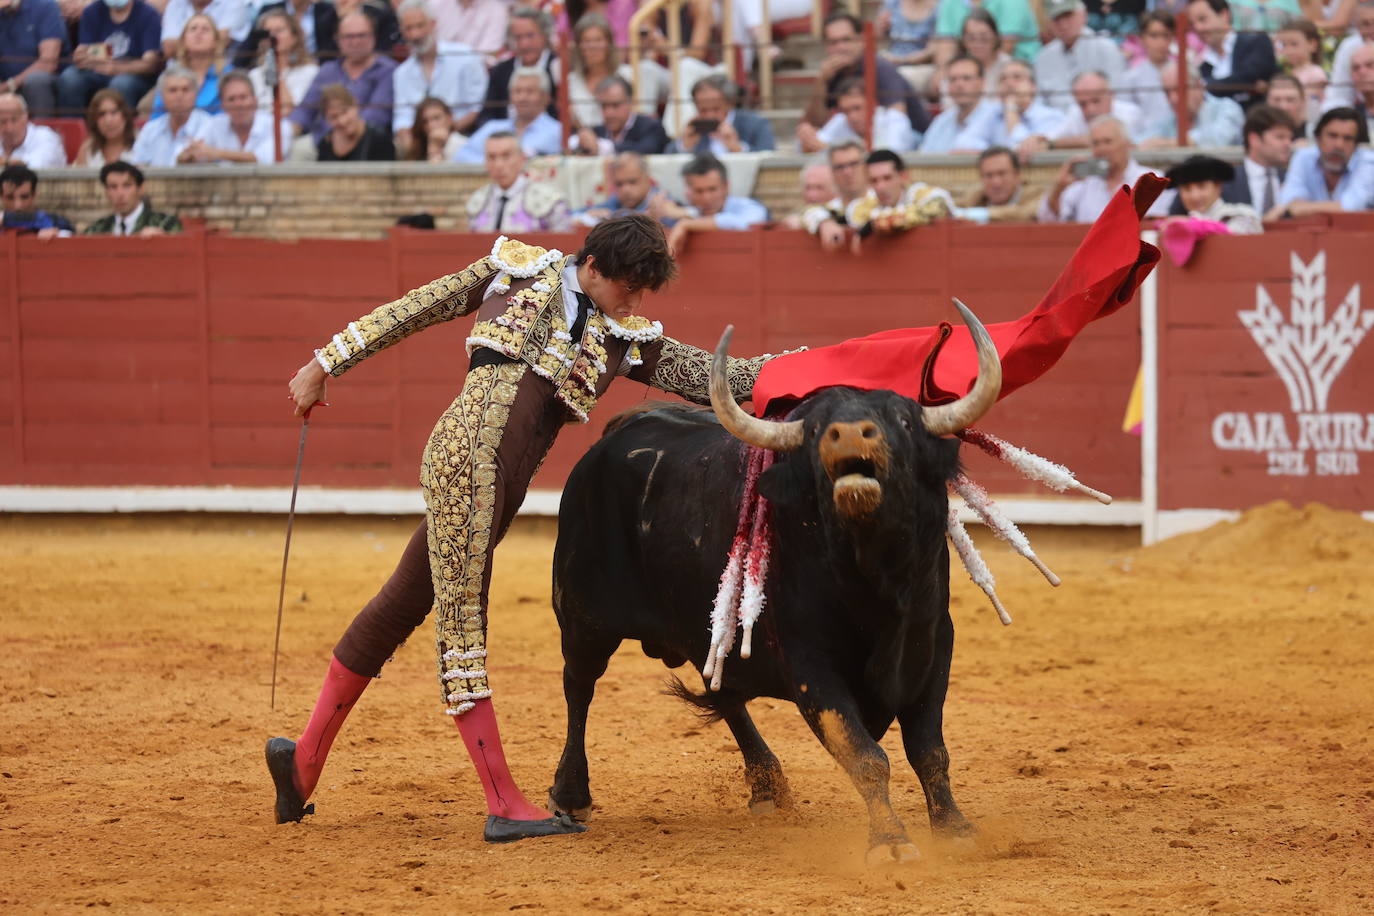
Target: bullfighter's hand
831, 235
309, 387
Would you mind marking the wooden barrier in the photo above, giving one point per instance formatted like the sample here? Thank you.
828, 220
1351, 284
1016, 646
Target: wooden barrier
164, 362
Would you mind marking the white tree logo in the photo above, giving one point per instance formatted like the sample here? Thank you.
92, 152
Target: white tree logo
1307, 350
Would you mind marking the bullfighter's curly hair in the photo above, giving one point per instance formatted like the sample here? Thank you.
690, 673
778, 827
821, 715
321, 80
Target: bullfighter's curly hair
630, 249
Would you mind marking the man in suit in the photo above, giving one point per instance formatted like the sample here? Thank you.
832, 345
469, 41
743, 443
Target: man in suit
622, 129
529, 32
1268, 137
123, 185
1234, 65
719, 126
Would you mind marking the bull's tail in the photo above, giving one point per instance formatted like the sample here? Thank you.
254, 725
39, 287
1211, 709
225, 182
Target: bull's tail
708, 706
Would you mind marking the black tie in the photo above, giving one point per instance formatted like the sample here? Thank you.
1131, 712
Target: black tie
500, 213
584, 308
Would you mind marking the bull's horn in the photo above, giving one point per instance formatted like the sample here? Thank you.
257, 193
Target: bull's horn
950, 418
780, 437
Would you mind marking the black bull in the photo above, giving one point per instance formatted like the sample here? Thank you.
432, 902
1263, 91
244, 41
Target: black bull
856, 630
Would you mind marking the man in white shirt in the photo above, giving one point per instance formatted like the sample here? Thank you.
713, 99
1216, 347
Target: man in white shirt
241, 133
1340, 90
1093, 98
1234, 65
1082, 200
23, 143
967, 126
163, 138
1362, 85
447, 70
1025, 121
1269, 135
891, 126
1074, 50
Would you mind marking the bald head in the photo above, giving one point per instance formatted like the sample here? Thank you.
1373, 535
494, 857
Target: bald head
357, 39
1110, 141
818, 184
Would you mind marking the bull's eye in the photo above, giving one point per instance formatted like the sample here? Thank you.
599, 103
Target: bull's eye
906, 423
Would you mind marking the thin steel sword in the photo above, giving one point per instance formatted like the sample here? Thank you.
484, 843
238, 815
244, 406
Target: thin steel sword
286, 553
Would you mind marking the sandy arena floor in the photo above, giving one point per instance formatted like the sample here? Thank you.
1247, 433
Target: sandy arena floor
1181, 729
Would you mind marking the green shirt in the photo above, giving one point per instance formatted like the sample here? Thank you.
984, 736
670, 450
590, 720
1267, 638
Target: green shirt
1013, 18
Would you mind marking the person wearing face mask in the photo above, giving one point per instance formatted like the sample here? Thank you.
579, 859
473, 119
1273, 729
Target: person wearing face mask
117, 46
32, 39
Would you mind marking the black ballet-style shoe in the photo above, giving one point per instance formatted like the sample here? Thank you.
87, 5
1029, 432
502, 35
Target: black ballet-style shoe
281, 759
505, 830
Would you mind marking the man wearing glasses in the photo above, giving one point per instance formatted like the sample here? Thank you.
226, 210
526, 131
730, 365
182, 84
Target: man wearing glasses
360, 70
826, 221
842, 35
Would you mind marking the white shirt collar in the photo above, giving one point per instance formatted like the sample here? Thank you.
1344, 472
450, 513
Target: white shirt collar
1228, 47
127, 223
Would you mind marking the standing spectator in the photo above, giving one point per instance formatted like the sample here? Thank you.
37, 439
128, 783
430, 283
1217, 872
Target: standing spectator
510, 202
479, 24
844, 59
296, 69
1199, 180
1074, 50
19, 201
1024, 120
968, 125
242, 133
32, 39
1213, 121
635, 192
1285, 93
529, 42
1335, 175
448, 70
894, 203
1234, 65
1362, 78
361, 70
432, 138
199, 51
827, 221
229, 18
24, 143
1018, 33
1000, 195
621, 129
118, 46
711, 206
594, 59
891, 127
910, 28
1093, 98
539, 134
1082, 200
163, 138
720, 126
123, 184
1340, 92
1140, 84
109, 130
350, 138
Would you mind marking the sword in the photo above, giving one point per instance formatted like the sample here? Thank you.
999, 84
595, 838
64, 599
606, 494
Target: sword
286, 553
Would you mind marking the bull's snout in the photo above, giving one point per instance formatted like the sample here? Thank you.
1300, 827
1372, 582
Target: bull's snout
854, 455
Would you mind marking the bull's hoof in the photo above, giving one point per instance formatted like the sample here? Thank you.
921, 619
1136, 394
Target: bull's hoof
763, 807
955, 829
505, 830
892, 854
580, 815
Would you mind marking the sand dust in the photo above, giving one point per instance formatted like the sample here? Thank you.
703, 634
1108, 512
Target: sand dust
1184, 728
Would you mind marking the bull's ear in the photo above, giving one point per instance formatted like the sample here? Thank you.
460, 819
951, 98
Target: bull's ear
775, 487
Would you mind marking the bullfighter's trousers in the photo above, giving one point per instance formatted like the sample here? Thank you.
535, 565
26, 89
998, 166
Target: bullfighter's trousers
482, 455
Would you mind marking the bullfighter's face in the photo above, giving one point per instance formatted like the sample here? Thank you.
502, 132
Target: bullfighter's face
613, 297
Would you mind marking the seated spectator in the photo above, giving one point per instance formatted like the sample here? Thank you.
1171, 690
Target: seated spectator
200, 52
981, 41
720, 126
1268, 139
1081, 200
894, 203
19, 201
817, 189
123, 184
1286, 94
910, 29
510, 203
621, 129
1362, 77
1341, 89
117, 47
25, 143
432, 137
32, 39
1115, 19
827, 221
891, 127
635, 192
1018, 33
1024, 121
1072, 52
1093, 98
1235, 65
710, 205
448, 70
109, 130
842, 34
594, 60
1213, 120
228, 18
1199, 180
1335, 175
316, 25
361, 70
386, 31
1300, 54
350, 138
241, 133
479, 24
1140, 84
970, 121
530, 46
539, 134
617, 14
164, 137
296, 69
1000, 195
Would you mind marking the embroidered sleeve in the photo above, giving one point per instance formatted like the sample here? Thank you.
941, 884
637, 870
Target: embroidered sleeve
685, 370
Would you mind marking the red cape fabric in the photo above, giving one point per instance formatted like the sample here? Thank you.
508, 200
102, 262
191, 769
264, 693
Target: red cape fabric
1101, 277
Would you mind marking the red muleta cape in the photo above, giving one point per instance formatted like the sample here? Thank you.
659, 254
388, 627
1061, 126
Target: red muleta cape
1102, 276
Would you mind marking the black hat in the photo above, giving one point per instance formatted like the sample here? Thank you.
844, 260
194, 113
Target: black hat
1201, 168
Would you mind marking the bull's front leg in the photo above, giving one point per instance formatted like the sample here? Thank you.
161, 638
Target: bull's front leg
829, 708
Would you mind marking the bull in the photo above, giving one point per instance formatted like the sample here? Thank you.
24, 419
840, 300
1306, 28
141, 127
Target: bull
857, 631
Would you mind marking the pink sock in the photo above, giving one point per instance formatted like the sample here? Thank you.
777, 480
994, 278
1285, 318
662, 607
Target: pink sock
482, 738
340, 691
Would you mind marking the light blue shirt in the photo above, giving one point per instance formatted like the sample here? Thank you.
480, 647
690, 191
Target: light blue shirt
738, 214
1038, 119
158, 146
1219, 123
460, 80
544, 137
1306, 180
946, 133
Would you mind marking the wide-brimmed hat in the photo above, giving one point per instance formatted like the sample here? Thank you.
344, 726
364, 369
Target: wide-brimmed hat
1201, 168
1056, 8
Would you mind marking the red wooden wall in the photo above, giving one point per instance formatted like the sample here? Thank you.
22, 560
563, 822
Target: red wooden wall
164, 361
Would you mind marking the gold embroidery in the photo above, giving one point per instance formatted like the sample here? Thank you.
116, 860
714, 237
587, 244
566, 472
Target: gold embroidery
685, 370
